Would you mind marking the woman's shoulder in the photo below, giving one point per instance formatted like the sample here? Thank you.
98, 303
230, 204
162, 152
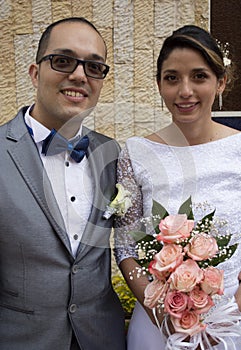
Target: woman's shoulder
155, 137
139, 143
224, 131
226, 135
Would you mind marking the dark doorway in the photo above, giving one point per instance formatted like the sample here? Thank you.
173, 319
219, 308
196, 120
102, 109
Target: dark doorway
226, 27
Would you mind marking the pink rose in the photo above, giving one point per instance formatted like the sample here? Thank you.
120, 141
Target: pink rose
189, 323
154, 291
186, 276
201, 247
213, 281
175, 228
169, 257
175, 303
153, 269
200, 300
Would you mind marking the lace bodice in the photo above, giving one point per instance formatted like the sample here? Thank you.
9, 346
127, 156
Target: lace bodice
210, 173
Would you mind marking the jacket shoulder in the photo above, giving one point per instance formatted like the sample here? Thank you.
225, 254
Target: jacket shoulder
99, 139
14, 126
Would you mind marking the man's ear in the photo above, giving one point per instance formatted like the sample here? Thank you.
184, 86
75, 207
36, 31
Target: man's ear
159, 86
34, 73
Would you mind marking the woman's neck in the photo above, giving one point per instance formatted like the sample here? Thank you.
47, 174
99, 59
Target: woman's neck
189, 135
197, 133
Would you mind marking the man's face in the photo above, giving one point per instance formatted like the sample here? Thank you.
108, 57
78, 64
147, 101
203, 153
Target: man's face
62, 96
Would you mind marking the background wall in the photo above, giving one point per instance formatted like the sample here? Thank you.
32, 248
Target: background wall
134, 31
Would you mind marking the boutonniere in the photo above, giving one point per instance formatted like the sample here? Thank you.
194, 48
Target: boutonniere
120, 204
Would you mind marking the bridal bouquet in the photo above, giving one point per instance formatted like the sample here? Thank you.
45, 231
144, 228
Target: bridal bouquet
186, 285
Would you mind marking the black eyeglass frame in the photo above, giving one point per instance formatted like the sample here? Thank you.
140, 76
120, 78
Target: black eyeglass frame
78, 62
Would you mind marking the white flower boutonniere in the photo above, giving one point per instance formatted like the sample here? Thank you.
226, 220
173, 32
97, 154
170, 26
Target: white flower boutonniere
120, 204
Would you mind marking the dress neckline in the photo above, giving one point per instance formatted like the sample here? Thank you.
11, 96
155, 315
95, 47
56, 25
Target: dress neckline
200, 145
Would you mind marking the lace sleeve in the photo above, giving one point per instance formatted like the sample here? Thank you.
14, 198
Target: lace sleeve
125, 245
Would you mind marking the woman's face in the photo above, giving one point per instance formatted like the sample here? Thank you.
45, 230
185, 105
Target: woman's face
188, 86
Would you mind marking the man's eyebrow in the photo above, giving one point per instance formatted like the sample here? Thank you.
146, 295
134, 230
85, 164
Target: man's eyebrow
92, 56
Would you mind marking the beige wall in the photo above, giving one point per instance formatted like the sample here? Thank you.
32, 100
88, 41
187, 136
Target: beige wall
133, 30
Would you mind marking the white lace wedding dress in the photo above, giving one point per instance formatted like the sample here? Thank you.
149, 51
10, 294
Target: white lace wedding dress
210, 173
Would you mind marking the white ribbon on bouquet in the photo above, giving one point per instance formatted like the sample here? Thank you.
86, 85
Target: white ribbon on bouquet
223, 324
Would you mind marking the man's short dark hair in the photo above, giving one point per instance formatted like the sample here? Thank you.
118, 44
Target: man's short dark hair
44, 40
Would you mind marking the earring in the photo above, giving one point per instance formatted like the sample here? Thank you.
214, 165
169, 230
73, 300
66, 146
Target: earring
220, 101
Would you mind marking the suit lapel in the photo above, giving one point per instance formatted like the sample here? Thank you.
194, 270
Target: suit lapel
96, 163
24, 154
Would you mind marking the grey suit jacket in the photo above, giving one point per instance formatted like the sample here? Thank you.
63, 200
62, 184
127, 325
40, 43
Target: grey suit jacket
46, 293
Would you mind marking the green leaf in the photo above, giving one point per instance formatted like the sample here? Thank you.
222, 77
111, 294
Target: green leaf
219, 258
223, 241
232, 249
158, 213
205, 223
209, 216
186, 208
148, 245
149, 252
143, 262
139, 236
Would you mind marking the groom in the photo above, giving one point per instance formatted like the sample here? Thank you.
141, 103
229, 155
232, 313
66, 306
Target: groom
55, 286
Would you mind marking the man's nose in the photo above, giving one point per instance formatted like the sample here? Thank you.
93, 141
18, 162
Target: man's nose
78, 73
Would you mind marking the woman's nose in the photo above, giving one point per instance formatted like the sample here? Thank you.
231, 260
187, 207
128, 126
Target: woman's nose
186, 89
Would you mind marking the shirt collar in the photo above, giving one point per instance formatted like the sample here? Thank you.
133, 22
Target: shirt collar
40, 132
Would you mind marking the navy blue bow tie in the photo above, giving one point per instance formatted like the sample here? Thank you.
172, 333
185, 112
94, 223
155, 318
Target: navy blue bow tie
56, 143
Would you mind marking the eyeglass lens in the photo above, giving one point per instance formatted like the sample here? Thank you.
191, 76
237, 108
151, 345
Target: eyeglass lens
67, 64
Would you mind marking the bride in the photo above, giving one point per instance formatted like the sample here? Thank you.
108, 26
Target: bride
194, 156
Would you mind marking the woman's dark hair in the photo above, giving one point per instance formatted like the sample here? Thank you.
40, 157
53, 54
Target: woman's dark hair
191, 36
44, 40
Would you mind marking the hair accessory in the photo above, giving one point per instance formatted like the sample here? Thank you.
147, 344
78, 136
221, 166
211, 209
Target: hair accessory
225, 51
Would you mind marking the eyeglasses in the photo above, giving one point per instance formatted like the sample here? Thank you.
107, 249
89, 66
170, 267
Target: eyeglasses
67, 64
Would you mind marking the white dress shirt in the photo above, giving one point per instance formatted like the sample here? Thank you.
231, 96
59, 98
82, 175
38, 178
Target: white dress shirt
71, 183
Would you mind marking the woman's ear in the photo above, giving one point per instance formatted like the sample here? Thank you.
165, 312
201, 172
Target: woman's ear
222, 84
34, 73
